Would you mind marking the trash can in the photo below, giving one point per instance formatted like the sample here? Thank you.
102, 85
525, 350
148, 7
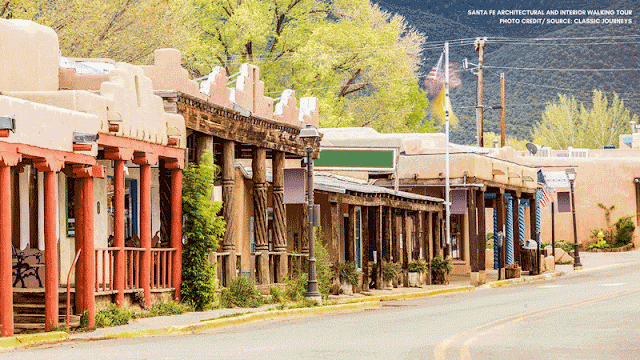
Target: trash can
529, 254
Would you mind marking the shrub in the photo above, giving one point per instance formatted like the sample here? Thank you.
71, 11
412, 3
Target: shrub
347, 273
324, 273
166, 308
242, 292
113, 316
202, 230
390, 271
439, 263
418, 266
624, 230
297, 287
277, 295
600, 244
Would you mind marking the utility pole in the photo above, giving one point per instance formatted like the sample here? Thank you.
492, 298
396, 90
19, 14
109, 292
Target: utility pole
503, 137
480, 45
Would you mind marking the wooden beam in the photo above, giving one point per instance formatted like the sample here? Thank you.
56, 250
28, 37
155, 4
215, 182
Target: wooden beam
378, 201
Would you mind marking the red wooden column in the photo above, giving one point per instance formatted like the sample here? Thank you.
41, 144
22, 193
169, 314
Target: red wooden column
85, 175
6, 292
119, 156
50, 167
145, 160
78, 202
176, 225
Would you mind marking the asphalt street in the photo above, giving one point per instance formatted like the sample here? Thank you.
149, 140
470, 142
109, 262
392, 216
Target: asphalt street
590, 315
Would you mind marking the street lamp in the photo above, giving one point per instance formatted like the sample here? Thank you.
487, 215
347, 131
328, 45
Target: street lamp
571, 175
308, 135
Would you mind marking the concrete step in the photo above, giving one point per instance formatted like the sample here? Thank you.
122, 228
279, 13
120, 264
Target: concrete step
34, 296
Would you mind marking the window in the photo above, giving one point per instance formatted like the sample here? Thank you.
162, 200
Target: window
564, 202
130, 206
457, 231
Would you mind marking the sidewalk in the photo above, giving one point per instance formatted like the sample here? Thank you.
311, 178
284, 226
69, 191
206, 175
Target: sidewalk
206, 320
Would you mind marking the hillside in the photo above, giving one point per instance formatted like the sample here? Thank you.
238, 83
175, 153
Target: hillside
527, 91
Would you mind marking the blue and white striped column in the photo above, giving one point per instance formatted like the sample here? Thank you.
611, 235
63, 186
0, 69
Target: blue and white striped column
521, 223
538, 212
509, 233
495, 237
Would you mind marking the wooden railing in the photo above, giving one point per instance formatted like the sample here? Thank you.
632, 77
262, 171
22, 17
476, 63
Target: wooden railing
161, 267
132, 258
104, 268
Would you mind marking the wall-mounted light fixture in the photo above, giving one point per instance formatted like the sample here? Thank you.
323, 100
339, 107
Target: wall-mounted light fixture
7, 123
83, 141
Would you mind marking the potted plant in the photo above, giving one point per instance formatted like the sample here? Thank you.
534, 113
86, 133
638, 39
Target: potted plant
512, 271
440, 269
348, 277
416, 270
389, 273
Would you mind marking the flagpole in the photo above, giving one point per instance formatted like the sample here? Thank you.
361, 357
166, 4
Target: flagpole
446, 131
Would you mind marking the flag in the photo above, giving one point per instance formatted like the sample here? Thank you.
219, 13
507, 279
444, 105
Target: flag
437, 109
434, 82
546, 197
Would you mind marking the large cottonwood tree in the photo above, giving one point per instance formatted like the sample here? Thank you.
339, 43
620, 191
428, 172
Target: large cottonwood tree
569, 124
123, 30
359, 60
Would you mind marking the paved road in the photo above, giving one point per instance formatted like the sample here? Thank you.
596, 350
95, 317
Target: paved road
592, 315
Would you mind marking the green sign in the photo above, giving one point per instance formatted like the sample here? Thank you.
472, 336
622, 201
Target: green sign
358, 159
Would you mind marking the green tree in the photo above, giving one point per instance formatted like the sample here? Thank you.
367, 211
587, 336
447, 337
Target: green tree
123, 30
202, 230
567, 124
360, 61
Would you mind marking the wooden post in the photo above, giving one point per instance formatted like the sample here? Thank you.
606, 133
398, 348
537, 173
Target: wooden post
532, 229
429, 240
379, 240
389, 233
79, 241
349, 241
118, 230
500, 208
366, 243
516, 230
474, 241
502, 119
88, 250
145, 160
480, 45
482, 232
6, 291
404, 259
279, 216
335, 233
260, 213
422, 234
51, 297
176, 230
228, 181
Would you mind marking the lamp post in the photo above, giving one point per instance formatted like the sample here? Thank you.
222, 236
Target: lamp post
308, 135
571, 175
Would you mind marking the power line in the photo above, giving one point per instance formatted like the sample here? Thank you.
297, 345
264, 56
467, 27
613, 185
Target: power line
556, 69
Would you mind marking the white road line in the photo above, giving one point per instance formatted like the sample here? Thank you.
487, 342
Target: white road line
612, 284
550, 286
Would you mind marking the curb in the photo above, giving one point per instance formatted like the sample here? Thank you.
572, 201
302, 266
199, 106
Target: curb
242, 319
30, 339
413, 295
521, 280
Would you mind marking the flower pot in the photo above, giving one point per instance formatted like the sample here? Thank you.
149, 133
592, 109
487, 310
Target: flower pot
512, 273
439, 276
414, 279
346, 288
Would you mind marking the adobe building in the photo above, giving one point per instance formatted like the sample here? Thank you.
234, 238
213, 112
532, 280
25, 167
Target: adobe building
83, 153
479, 178
610, 177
